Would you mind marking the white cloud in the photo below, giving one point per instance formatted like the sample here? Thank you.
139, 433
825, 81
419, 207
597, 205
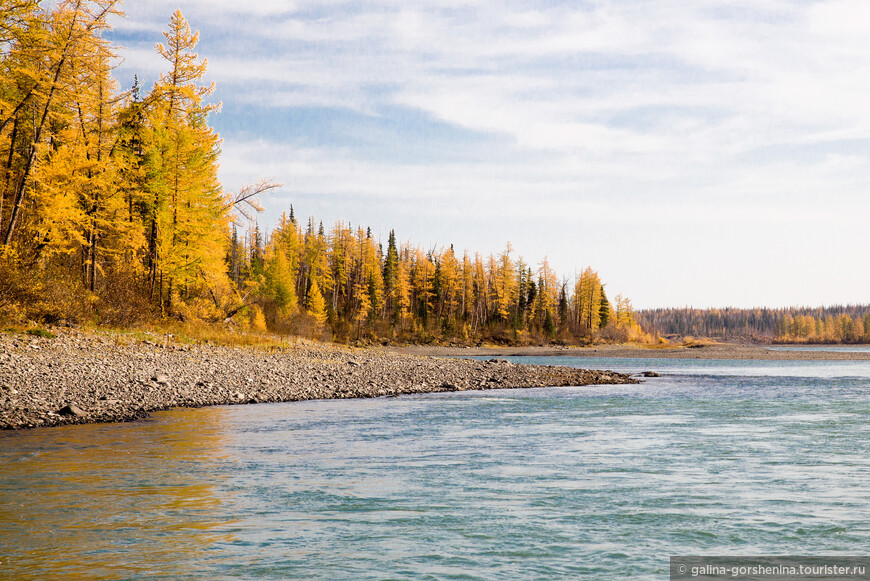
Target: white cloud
667, 118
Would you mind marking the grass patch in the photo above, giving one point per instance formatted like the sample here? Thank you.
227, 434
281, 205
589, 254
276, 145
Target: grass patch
37, 332
176, 333
693, 343
659, 346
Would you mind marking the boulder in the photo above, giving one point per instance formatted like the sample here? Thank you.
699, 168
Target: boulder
71, 410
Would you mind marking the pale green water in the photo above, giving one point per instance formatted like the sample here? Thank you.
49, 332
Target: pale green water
597, 482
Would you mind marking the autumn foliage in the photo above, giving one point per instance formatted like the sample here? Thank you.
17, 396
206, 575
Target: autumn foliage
110, 206
111, 211
344, 281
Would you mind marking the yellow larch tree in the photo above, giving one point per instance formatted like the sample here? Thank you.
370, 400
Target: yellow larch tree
341, 263
372, 275
480, 314
504, 282
587, 301
363, 306
85, 164
548, 289
624, 313
402, 292
189, 213
34, 100
422, 278
449, 273
315, 304
280, 279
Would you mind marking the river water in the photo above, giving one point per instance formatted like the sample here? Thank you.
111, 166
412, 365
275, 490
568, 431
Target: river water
714, 457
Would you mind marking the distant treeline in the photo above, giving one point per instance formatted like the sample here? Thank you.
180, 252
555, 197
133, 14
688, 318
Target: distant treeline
836, 324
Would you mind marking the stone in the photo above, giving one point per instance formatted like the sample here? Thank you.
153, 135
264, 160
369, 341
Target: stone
651, 374
161, 378
71, 410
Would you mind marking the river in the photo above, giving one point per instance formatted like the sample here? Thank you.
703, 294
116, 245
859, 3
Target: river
714, 457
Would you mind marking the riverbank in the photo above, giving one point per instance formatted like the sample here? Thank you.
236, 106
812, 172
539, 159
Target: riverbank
713, 351
80, 377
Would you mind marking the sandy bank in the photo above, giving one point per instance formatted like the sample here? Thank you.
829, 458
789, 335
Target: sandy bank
81, 378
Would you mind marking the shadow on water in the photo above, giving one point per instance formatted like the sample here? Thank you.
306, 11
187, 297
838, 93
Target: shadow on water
111, 501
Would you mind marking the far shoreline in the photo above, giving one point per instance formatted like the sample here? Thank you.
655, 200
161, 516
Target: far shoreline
730, 351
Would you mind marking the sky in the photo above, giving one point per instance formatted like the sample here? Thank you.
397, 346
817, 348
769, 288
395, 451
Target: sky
707, 154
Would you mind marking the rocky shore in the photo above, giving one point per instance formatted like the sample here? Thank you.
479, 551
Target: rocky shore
79, 377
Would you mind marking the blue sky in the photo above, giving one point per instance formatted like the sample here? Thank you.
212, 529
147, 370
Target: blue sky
710, 153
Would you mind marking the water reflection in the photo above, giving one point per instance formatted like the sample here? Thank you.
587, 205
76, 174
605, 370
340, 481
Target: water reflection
112, 501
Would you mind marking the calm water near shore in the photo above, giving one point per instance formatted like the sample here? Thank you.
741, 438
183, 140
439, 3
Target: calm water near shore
715, 457
823, 348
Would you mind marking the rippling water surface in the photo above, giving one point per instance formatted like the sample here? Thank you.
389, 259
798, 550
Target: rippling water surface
739, 457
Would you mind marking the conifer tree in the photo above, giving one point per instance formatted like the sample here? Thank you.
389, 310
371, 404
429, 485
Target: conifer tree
467, 287
563, 304
549, 325
522, 293
604, 311
391, 268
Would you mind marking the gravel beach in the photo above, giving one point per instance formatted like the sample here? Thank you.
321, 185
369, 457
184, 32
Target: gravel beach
79, 377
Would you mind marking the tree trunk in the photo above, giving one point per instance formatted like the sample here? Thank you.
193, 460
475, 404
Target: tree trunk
7, 171
93, 273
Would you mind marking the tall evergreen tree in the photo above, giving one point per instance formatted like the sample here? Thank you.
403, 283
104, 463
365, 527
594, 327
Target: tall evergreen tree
604, 310
391, 272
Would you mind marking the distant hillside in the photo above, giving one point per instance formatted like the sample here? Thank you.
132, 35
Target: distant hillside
836, 324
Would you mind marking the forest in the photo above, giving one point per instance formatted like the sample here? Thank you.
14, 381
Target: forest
111, 212
346, 280
836, 324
